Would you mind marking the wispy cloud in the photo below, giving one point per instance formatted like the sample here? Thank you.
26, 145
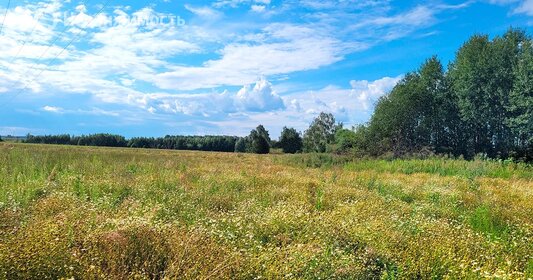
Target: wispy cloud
517, 6
52, 109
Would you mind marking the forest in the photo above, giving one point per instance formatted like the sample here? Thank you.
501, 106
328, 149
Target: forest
195, 143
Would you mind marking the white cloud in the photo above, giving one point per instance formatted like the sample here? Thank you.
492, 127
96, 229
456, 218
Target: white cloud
122, 49
525, 8
258, 8
368, 93
288, 49
53, 109
205, 12
236, 3
123, 53
259, 98
83, 20
519, 6
350, 105
17, 131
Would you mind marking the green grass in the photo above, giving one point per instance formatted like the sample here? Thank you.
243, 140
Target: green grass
484, 220
102, 213
447, 167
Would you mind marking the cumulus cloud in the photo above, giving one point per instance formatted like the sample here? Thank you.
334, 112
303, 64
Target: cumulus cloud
124, 55
84, 20
259, 98
367, 93
350, 105
119, 55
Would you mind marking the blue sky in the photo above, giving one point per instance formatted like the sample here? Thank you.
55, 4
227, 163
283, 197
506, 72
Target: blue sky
151, 68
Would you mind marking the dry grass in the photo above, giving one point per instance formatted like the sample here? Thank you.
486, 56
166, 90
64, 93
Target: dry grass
99, 213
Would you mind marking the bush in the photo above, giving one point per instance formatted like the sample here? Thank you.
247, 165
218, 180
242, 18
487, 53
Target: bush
290, 141
260, 145
241, 146
259, 141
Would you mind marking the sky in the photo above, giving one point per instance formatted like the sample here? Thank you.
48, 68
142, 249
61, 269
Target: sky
222, 67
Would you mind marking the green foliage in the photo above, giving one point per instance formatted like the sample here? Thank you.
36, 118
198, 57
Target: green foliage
259, 140
315, 160
290, 141
484, 220
197, 143
482, 104
262, 132
482, 78
446, 167
415, 116
241, 145
521, 103
260, 145
345, 141
320, 133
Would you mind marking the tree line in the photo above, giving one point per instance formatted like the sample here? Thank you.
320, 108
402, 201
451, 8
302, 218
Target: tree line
482, 104
196, 143
316, 139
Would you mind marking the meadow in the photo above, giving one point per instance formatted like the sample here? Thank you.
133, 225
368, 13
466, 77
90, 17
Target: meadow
112, 213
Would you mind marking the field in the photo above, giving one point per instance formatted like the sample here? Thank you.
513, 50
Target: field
102, 213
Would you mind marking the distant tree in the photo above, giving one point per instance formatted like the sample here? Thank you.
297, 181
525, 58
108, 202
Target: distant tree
362, 140
320, 133
263, 133
241, 145
393, 124
470, 74
483, 77
419, 114
345, 140
202, 143
520, 109
260, 140
1, 139
290, 141
260, 145
483, 104
275, 144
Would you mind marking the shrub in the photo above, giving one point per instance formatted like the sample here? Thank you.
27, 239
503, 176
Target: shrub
290, 141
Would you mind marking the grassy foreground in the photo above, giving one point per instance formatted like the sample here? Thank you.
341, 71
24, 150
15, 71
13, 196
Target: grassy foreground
99, 213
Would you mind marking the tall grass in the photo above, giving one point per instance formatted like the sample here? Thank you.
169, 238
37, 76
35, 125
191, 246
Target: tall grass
447, 167
101, 213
